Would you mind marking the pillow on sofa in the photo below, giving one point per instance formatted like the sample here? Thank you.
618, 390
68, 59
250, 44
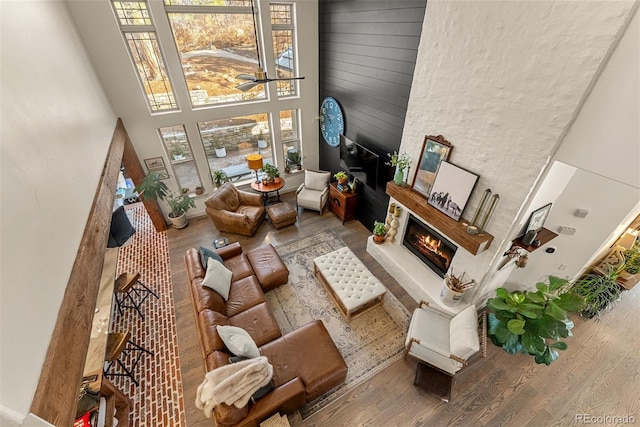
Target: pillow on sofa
218, 278
238, 341
206, 253
316, 180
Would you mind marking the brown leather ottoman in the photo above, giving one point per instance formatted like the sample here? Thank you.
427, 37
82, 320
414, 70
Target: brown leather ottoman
268, 267
282, 214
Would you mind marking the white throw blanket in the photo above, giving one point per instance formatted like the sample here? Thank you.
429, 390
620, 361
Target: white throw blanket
233, 384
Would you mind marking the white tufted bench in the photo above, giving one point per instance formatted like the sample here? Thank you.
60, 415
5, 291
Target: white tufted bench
352, 287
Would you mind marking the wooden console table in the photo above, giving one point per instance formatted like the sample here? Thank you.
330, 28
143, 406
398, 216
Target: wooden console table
342, 204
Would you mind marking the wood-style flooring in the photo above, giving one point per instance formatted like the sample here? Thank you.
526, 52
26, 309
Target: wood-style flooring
599, 374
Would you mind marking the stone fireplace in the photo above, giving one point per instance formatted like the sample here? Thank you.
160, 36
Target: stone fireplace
433, 249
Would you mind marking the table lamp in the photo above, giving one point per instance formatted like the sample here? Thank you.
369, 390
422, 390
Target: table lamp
255, 163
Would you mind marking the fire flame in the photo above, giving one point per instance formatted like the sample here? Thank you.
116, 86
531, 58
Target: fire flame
432, 245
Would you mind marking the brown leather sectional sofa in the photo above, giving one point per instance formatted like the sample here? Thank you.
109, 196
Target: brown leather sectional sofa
306, 362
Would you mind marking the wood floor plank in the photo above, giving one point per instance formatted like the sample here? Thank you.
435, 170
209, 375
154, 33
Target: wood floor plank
599, 373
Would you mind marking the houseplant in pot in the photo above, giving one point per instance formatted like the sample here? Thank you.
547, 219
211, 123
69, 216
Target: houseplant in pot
262, 139
219, 177
600, 292
179, 205
342, 177
379, 232
271, 171
533, 323
218, 144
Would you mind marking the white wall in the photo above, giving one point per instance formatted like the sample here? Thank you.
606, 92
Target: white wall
100, 32
502, 81
56, 130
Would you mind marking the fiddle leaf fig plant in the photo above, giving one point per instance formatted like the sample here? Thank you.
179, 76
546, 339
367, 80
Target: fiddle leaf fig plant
533, 323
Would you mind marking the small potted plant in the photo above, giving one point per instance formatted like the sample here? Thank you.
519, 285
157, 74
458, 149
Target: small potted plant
341, 177
296, 159
271, 171
178, 152
379, 232
400, 162
218, 144
199, 190
184, 190
262, 139
219, 177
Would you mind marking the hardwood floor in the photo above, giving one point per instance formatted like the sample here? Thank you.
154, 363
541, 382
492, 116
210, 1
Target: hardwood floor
599, 374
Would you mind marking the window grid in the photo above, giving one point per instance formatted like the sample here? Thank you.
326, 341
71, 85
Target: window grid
282, 28
132, 13
178, 149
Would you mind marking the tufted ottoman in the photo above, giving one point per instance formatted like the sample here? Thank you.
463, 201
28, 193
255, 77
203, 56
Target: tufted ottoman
352, 287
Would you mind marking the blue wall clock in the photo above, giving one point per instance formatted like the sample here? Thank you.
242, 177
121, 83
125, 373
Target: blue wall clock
331, 121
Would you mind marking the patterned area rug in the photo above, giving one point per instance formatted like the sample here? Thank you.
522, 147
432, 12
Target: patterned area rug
158, 400
368, 343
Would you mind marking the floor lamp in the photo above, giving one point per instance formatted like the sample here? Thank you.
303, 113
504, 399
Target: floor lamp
255, 164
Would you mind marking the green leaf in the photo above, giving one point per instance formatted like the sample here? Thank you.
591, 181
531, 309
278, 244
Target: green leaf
537, 297
548, 356
554, 311
542, 287
517, 297
503, 293
570, 302
530, 306
556, 283
533, 343
560, 345
516, 326
529, 314
497, 304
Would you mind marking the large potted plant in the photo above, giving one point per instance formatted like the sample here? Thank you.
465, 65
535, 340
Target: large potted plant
152, 187
179, 205
600, 292
533, 323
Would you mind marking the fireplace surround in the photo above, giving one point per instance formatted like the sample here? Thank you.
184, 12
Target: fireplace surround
429, 246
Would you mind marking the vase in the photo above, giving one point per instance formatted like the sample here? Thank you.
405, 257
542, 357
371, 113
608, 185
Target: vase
449, 296
399, 176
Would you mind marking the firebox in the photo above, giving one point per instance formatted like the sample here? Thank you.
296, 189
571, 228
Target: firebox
428, 245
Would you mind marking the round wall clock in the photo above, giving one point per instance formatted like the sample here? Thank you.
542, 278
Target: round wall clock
331, 121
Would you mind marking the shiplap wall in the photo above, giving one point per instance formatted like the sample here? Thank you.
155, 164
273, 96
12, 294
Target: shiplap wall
367, 54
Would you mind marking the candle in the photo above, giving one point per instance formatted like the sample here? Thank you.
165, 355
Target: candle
485, 196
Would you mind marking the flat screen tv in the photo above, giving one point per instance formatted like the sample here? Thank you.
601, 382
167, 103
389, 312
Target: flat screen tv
359, 161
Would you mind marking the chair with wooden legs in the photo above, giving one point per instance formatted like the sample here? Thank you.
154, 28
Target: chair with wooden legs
130, 292
120, 349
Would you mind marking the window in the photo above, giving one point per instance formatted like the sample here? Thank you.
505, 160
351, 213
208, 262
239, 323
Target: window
291, 146
215, 45
139, 33
283, 47
178, 149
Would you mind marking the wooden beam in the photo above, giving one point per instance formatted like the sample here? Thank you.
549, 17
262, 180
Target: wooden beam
56, 396
134, 168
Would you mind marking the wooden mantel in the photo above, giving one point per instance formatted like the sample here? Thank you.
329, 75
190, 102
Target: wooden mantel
454, 230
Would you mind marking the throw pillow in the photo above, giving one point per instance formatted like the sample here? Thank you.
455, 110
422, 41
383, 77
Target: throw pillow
218, 278
238, 341
316, 180
206, 253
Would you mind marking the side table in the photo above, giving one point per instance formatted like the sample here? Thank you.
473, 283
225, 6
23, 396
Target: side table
433, 380
268, 188
342, 204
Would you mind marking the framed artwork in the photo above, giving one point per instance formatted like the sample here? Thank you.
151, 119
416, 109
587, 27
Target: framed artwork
451, 189
538, 217
162, 173
154, 163
435, 150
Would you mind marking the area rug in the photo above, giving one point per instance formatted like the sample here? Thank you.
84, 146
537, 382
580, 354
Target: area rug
369, 343
158, 400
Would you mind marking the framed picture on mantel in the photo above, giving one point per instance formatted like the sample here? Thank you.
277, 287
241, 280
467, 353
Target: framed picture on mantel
451, 189
435, 150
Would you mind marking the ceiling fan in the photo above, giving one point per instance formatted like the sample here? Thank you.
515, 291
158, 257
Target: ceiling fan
260, 76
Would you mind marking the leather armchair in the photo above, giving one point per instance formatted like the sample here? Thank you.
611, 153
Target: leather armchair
235, 211
314, 192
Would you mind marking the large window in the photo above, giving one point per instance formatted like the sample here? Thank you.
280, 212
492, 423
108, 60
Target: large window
139, 33
228, 142
291, 146
283, 46
215, 45
178, 149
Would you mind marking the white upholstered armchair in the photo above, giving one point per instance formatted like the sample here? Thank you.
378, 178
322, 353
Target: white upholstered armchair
314, 192
443, 341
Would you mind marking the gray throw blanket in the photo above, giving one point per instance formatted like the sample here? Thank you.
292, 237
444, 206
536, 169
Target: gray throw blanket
233, 384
